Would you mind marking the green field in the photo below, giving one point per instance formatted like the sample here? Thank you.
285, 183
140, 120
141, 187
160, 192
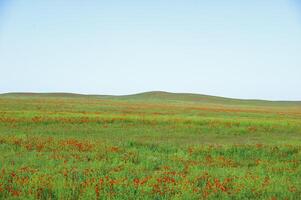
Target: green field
152, 145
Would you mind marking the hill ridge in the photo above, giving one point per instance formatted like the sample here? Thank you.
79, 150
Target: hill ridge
150, 95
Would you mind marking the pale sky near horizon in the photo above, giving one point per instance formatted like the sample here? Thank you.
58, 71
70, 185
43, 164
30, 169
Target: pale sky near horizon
239, 49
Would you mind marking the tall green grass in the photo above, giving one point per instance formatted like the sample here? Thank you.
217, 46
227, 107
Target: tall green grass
148, 146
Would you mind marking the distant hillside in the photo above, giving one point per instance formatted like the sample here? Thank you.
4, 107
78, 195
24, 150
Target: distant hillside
174, 96
161, 96
190, 97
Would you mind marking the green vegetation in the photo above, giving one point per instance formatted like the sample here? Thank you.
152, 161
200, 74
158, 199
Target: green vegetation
152, 145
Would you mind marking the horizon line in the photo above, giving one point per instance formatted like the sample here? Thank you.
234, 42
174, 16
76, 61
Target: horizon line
152, 91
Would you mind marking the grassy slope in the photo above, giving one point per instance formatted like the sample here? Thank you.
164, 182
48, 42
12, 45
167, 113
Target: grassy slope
160, 95
209, 117
148, 146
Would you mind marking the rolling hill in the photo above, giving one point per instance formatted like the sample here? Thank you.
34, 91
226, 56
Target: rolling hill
161, 96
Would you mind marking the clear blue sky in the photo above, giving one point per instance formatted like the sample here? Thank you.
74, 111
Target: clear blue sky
234, 48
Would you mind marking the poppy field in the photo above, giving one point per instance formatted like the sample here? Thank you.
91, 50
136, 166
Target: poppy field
148, 146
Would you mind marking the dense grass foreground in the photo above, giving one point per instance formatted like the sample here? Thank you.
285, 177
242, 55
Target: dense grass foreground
150, 146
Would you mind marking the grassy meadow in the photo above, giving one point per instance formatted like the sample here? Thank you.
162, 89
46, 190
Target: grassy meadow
152, 145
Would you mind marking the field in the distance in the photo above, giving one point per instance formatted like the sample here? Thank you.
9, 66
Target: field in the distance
148, 146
